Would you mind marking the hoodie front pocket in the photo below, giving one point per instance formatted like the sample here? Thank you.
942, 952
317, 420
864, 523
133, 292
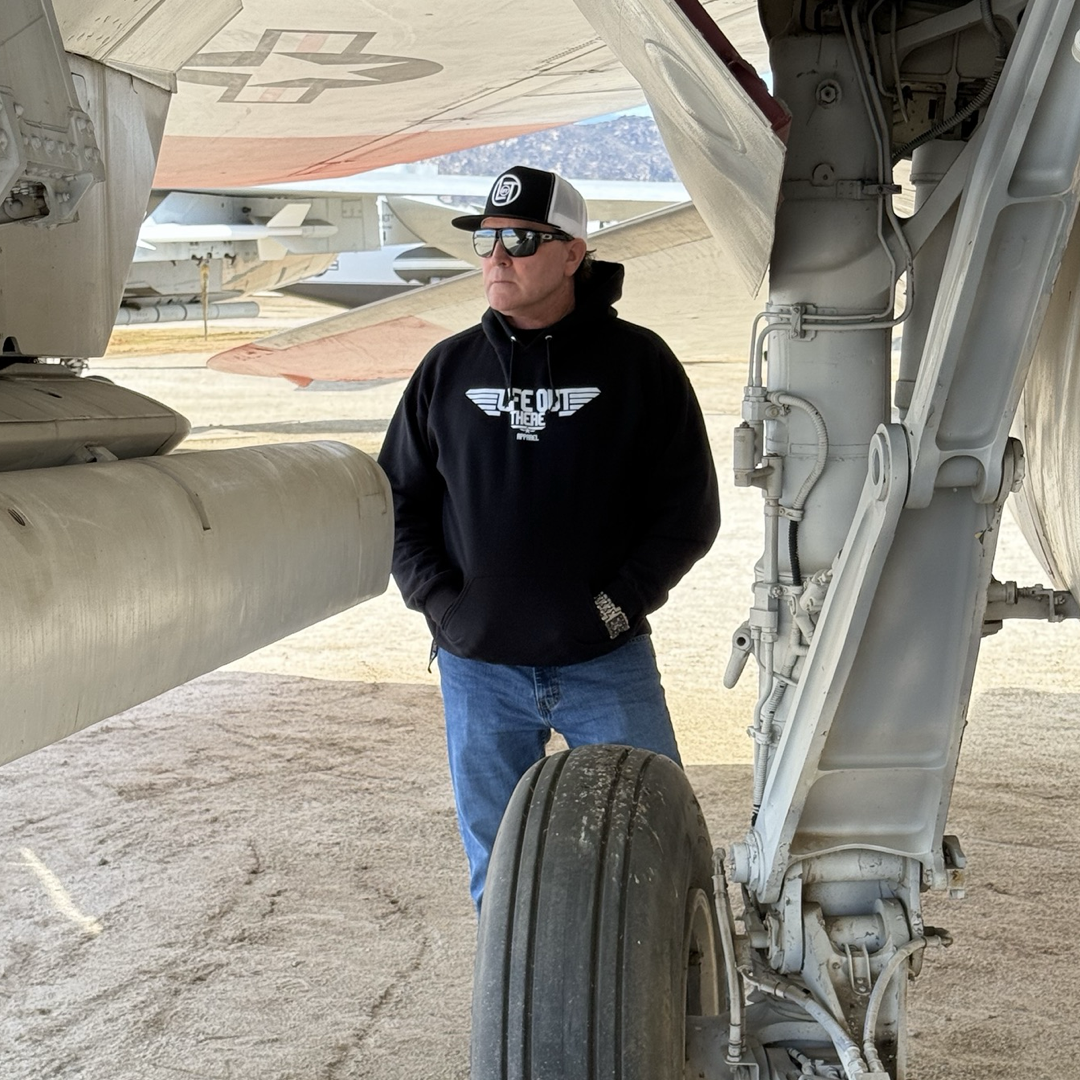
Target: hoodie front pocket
519, 620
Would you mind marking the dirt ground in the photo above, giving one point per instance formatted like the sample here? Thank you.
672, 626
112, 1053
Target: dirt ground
257, 876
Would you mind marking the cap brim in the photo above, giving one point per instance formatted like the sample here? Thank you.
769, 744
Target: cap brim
470, 223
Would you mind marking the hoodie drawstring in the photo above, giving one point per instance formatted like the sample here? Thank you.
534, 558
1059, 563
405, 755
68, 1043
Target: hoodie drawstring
510, 367
510, 373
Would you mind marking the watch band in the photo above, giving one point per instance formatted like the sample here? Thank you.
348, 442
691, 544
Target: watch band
612, 616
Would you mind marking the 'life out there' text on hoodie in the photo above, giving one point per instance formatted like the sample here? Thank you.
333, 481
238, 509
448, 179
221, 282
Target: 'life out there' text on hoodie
532, 470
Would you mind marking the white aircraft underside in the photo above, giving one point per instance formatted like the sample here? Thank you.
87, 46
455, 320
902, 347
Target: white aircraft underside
609, 950
278, 95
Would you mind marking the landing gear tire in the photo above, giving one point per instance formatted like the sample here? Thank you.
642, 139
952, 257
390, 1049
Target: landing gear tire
598, 932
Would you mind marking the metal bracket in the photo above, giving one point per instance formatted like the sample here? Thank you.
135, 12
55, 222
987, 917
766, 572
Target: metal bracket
1007, 600
741, 643
955, 862
865, 189
49, 155
859, 982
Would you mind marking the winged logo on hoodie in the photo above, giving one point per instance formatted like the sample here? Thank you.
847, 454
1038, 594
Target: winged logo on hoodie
529, 409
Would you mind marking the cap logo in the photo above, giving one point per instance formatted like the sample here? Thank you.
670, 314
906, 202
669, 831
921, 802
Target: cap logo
507, 188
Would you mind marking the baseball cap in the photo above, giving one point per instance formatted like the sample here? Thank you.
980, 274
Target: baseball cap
532, 195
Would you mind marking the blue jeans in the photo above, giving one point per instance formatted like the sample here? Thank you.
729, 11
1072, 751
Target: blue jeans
500, 717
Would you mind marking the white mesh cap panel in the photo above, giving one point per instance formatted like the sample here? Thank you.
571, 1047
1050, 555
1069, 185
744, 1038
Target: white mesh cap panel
568, 211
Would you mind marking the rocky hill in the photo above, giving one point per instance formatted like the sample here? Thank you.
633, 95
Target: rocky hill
624, 148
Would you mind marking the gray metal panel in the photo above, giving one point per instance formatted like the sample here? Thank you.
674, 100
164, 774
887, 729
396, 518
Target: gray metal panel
49, 416
158, 35
1048, 506
49, 156
32, 63
50, 300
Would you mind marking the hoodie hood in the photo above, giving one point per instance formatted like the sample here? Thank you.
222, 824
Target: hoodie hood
601, 289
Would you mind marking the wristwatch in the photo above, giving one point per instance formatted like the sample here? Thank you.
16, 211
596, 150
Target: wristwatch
613, 616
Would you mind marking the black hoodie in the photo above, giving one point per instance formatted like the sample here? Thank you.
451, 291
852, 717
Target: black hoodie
532, 470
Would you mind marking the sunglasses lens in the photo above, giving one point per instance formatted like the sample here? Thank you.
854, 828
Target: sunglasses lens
483, 242
519, 243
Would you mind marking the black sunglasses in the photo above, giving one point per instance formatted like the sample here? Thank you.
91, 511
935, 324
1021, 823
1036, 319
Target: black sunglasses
517, 242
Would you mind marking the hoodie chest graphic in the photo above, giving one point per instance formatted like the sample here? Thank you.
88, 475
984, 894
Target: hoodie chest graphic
528, 410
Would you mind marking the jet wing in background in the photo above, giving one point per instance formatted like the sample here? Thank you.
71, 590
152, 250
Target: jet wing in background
608, 199
678, 282
216, 247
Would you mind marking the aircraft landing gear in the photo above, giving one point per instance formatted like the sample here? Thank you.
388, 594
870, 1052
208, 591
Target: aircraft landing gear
598, 935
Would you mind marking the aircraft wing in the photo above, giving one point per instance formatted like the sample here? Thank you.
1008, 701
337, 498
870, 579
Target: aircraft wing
276, 99
297, 93
678, 282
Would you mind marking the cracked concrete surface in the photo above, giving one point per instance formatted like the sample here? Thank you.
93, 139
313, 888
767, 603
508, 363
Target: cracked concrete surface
282, 896
301, 918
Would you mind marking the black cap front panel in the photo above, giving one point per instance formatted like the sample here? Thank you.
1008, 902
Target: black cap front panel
521, 193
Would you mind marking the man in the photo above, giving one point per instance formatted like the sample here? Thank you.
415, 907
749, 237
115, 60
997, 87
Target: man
552, 481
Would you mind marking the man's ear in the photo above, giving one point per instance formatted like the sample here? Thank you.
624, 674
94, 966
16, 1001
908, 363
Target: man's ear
575, 252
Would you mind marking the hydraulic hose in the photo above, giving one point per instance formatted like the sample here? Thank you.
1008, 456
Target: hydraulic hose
793, 553
792, 402
846, 1047
736, 1041
873, 1006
